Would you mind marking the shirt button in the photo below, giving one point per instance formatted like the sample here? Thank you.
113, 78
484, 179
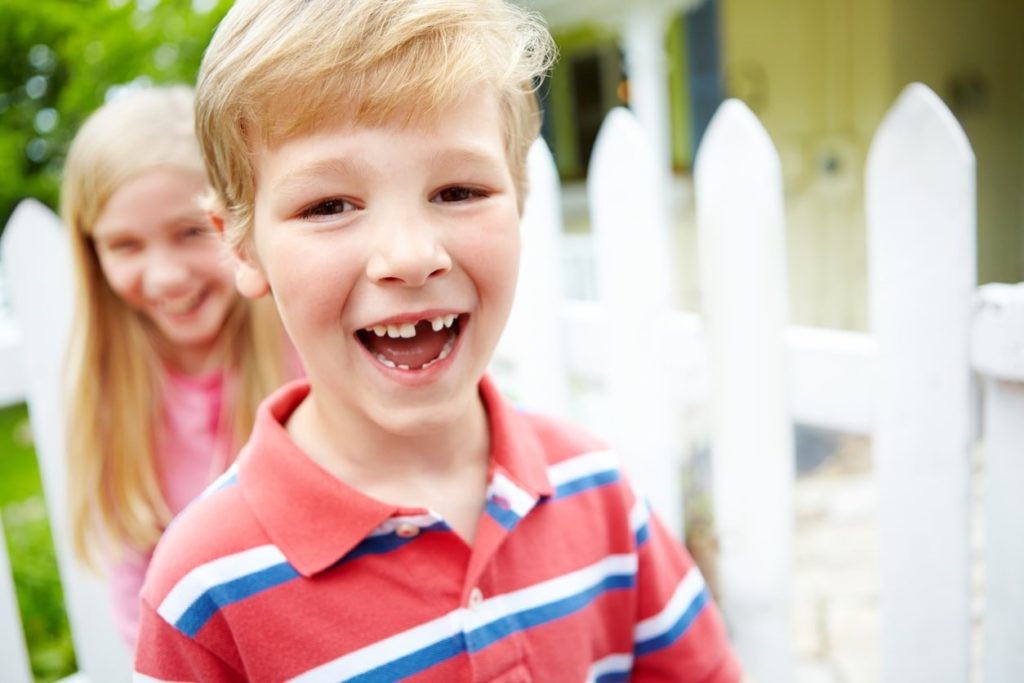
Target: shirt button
476, 598
407, 530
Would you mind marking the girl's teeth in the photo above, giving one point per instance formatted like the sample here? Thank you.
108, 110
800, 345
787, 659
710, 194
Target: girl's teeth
380, 330
437, 324
394, 331
408, 330
385, 361
449, 319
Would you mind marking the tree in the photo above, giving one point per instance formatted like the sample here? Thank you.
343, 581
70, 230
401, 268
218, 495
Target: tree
59, 61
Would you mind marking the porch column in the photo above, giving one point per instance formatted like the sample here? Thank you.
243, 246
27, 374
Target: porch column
643, 42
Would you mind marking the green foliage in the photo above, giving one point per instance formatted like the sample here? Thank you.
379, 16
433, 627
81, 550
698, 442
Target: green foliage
59, 60
30, 546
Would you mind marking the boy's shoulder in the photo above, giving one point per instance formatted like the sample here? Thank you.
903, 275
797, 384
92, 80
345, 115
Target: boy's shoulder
559, 438
195, 550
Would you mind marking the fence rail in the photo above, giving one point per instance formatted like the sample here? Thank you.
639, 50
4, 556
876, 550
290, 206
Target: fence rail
619, 358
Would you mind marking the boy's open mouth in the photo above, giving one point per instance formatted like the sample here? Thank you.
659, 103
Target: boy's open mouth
412, 346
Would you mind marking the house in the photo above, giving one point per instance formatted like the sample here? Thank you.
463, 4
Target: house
820, 76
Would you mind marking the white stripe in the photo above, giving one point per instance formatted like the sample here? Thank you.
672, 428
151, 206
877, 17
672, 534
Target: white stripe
520, 501
143, 678
402, 644
639, 515
389, 525
192, 586
551, 590
582, 466
610, 664
686, 592
385, 651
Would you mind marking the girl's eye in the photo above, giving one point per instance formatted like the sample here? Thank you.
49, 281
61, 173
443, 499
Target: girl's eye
458, 193
121, 246
327, 208
196, 231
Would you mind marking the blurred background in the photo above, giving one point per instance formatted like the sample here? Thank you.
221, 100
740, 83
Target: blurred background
820, 75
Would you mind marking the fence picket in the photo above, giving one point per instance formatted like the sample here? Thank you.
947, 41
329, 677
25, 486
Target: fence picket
997, 340
738, 182
630, 232
921, 236
37, 268
534, 339
14, 666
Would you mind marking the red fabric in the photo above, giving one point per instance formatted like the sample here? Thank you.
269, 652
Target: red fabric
571, 588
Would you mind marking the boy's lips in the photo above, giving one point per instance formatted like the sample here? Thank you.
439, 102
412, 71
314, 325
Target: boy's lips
411, 344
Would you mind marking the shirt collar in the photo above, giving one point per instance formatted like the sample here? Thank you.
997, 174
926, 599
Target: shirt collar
316, 519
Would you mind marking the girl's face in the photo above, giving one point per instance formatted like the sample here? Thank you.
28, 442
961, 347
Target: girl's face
159, 254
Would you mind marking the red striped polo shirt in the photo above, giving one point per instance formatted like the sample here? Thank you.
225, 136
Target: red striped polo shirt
282, 572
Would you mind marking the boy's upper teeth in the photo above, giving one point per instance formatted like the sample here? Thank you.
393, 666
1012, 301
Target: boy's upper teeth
408, 330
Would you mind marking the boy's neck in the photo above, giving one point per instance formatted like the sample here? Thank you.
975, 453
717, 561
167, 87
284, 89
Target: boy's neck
444, 469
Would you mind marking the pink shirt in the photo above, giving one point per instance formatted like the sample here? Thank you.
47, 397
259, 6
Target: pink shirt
190, 454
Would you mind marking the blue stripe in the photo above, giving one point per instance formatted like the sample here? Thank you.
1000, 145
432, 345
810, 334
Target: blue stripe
506, 626
415, 662
646, 647
474, 641
222, 595
385, 543
503, 516
642, 534
613, 677
590, 481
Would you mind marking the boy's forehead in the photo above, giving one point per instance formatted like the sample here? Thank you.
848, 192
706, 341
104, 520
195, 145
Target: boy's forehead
346, 116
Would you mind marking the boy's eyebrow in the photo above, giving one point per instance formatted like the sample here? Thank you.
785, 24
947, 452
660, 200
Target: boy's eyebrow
468, 155
295, 181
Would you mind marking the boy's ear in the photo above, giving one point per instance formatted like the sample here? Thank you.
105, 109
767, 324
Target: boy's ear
249, 279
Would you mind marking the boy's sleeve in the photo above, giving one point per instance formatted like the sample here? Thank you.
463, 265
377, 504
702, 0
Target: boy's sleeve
679, 635
165, 654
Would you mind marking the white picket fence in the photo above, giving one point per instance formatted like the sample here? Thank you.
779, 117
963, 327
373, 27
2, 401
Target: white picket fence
631, 367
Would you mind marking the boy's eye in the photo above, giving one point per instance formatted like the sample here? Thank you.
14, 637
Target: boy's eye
328, 207
458, 193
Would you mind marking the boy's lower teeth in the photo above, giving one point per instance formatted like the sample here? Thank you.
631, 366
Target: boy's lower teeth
387, 362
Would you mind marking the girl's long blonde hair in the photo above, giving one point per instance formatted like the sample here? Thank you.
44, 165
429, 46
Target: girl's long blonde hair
113, 372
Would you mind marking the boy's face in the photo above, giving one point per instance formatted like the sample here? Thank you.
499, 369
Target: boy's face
392, 253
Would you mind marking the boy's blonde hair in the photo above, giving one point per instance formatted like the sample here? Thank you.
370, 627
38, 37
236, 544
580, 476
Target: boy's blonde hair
279, 68
113, 374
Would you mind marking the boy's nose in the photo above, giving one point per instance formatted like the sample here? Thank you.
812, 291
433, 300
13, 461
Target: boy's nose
408, 254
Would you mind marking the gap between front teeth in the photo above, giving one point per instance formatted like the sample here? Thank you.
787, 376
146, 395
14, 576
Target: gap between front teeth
408, 330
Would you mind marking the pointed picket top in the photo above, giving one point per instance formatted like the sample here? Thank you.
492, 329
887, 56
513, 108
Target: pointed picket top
628, 198
735, 150
920, 210
534, 335
37, 269
741, 241
627, 192
918, 130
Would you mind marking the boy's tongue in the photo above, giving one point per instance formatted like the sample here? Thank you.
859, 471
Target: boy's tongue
414, 352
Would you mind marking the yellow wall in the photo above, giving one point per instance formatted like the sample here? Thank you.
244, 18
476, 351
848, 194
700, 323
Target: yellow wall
821, 74
816, 73
943, 42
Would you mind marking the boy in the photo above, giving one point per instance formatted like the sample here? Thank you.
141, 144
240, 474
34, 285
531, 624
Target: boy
392, 517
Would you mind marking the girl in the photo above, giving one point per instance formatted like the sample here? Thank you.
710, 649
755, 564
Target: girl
166, 362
